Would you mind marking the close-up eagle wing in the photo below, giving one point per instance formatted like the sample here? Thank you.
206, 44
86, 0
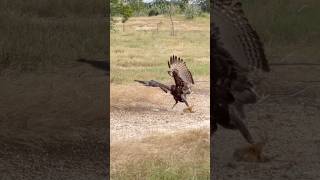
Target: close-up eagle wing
238, 37
180, 71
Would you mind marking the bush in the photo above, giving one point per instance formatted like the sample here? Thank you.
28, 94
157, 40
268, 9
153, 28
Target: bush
153, 12
191, 11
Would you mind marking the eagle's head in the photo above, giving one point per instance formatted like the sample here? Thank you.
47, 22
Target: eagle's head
186, 89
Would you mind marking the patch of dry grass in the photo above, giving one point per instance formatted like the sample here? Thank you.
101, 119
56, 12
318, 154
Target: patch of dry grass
141, 51
176, 156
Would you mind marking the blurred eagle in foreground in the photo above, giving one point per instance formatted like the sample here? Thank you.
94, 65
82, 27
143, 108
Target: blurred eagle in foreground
237, 54
183, 80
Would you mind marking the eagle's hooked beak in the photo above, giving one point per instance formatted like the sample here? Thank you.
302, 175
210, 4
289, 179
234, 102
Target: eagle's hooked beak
170, 73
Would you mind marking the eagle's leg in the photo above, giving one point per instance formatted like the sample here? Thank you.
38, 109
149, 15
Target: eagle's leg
245, 132
236, 122
174, 104
253, 152
189, 108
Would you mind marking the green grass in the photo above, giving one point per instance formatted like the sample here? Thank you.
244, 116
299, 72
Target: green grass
160, 169
144, 54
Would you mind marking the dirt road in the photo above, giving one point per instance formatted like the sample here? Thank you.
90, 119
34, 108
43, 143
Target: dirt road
138, 111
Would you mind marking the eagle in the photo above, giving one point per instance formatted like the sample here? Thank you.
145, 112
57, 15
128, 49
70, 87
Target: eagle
183, 81
237, 54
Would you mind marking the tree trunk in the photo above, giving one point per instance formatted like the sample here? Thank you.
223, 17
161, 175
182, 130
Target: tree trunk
172, 25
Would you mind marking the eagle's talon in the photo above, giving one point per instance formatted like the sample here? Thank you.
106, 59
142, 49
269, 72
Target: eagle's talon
251, 153
189, 109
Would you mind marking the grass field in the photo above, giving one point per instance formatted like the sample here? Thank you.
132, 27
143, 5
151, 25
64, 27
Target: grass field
142, 50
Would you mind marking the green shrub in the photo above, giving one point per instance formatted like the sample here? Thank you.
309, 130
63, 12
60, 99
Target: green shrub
153, 12
192, 11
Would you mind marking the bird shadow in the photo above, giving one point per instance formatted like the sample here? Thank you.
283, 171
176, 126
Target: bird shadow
98, 64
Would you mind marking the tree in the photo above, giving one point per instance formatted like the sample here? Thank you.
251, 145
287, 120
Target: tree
114, 11
203, 4
170, 11
126, 12
137, 6
183, 4
120, 9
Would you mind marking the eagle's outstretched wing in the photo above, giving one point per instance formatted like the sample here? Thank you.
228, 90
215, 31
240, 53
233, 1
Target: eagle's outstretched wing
180, 72
238, 37
153, 83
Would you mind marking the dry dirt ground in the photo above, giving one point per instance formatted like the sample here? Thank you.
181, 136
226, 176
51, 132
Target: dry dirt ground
290, 118
53, 124
146, 111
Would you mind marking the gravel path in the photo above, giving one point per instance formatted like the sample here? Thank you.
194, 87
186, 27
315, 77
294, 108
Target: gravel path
144, 117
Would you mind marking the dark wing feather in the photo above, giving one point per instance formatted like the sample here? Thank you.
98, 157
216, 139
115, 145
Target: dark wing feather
153, 83
238, 36
177, 79
176, 64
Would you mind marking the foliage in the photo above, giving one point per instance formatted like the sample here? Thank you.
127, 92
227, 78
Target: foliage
183, 5
153, 12
192, 11
114, 10
189, 8
119, 9
137, 7
204, 5
125, 12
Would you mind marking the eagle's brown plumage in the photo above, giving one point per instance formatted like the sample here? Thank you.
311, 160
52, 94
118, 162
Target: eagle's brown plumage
182, 77
237, 51
177, 64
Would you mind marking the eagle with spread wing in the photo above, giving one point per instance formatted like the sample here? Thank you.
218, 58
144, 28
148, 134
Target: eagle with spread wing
237, 53
183, 80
